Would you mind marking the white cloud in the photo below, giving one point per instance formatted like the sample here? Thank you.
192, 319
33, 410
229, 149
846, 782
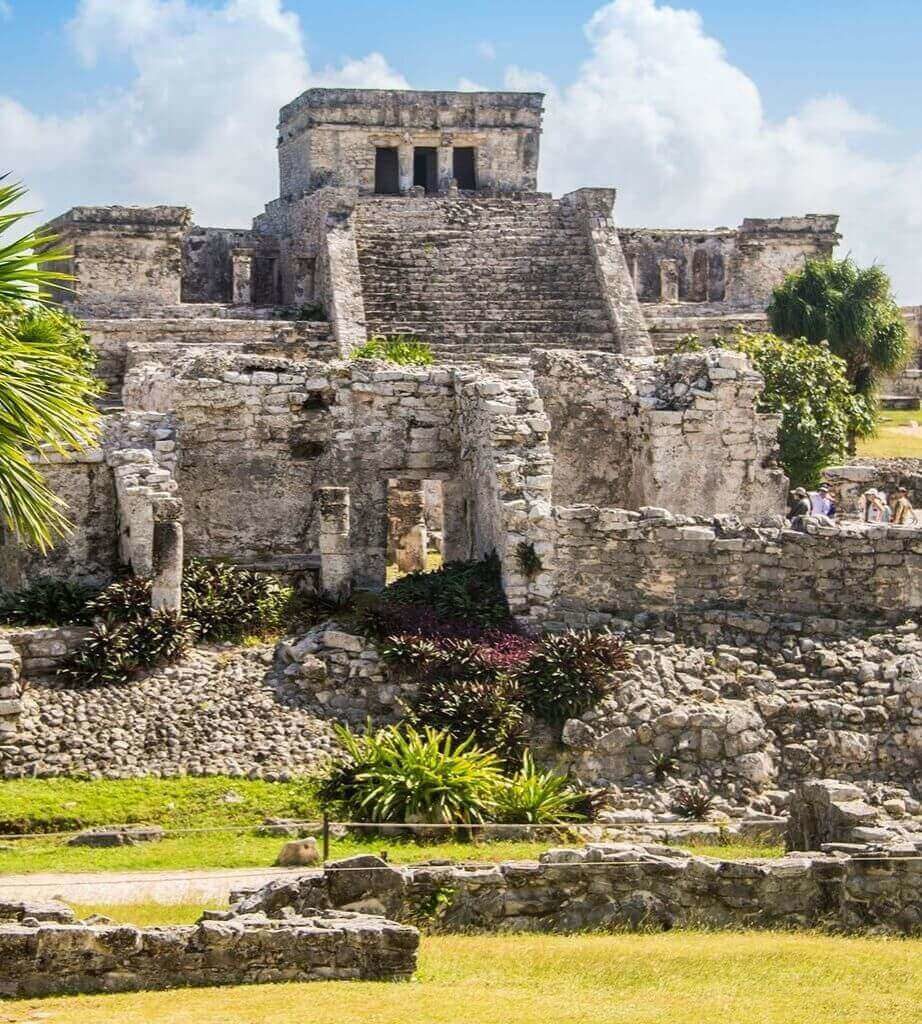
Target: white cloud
657, 109
467, 85
196, 124
487, 50
6, 10
660, 111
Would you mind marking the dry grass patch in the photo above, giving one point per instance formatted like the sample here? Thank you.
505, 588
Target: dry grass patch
687, 977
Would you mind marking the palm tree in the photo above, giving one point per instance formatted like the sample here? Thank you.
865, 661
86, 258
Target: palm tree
851, 309
45, 389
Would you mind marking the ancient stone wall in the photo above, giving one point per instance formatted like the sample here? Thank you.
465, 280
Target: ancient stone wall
848, 483
257, 436
613, 560
126, 342
614, 886
47, 957
207, 261
684, 434
122, 255
329, 137
725, 268
10, 696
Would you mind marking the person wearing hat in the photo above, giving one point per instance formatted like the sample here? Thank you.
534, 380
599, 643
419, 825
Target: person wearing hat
903, 512
876, 509
800, 503
821, 503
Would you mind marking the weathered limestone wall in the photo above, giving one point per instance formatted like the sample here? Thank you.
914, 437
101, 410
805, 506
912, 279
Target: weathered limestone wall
612, 886
849, 483
614, 561
506, 463
122, 254
42, 649
66, 958
328, 137
90, 552
318, 258
207, 256
258, 436
126, 342
10, 694
726, 268
683, 435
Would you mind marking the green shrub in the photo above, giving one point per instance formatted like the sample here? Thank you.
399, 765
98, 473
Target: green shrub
692, 801
227, 602
113, 653
487, 709
47, 602
126, 598
402, 774
534, 797
570, 673
808, 386
308, 312
468, 591
528, 559
400, 349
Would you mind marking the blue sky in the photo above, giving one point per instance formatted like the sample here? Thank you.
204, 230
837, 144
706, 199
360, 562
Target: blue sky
700, 116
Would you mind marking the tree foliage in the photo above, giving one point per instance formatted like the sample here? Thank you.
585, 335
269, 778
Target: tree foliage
852, 309
820, 412
46, 381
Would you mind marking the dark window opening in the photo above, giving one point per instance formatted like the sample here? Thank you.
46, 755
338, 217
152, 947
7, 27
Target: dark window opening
387, 172
426, 168
463, 169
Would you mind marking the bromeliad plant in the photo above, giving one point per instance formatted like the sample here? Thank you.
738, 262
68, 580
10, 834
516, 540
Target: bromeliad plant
401, 774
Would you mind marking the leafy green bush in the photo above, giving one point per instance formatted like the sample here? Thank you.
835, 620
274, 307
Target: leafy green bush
308, 312
227, 601
568, 673
534, 797
47, 602
820, 412
400, 349
112, 653
467, 591
401, 774
488, 709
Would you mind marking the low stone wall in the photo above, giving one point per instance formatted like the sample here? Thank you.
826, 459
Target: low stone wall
848, 483
617, 561
612, 886
827, 814
43, 649
40, 958
10, 692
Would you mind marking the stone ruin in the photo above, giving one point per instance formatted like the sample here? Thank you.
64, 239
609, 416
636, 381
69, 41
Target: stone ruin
45, 951
645, 485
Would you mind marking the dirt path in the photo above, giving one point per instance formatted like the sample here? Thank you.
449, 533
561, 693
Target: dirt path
139, 886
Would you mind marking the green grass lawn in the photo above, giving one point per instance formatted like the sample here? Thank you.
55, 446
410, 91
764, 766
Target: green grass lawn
894, 438
236, 850
44, 805
676, 977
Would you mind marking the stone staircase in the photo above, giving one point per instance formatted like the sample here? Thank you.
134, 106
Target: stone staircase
477, 276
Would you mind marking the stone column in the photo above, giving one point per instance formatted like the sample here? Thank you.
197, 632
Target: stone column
669, 280
406, 514
405, 165
335, 546
166, 590
446, 165
456, 546
242, 277
10, 692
